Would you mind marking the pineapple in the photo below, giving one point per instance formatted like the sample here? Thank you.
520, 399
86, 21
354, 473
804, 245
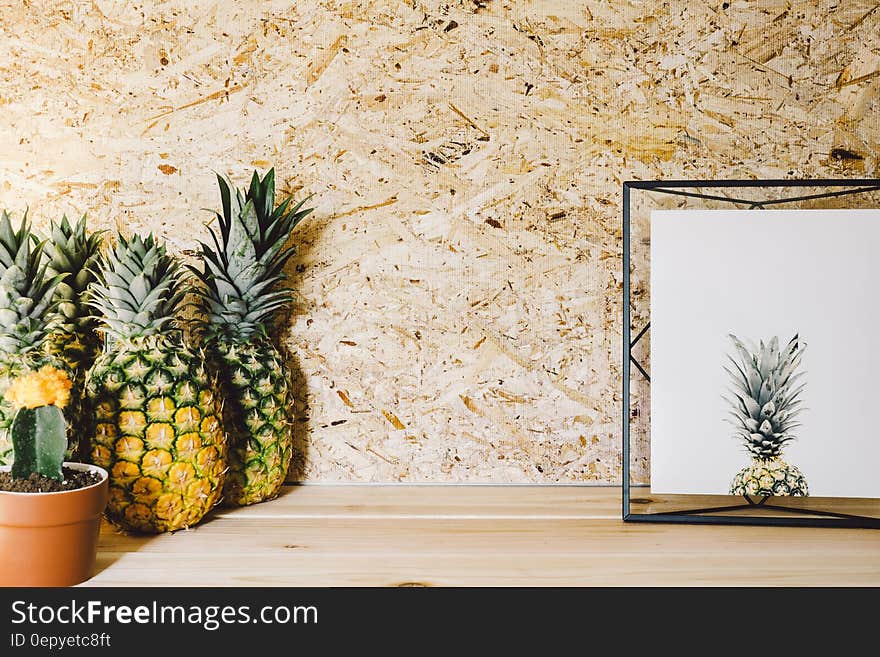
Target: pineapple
155, 423
766, 401
26, 317
75, 342
73, 252
242, 288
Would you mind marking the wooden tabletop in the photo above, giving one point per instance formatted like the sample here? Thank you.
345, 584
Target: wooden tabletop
397, 535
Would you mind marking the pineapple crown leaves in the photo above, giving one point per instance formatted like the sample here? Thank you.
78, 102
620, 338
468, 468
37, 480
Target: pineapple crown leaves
73, 251
765, 394
27, 289
137, 288
242, 273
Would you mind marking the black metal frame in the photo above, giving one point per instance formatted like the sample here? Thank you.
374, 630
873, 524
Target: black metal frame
814, 518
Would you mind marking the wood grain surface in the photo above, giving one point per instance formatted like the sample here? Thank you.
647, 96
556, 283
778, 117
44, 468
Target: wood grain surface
476, 536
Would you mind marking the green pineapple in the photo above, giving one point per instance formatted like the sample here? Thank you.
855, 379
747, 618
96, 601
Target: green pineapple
156, 424
74, 341
26, 313
766, 401
242, 288
74, 252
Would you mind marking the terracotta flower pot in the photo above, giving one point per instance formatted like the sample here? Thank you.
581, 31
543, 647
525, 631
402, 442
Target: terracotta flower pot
51, 539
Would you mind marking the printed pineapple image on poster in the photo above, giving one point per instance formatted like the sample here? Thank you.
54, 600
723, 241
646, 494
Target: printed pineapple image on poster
764, 356
765, 402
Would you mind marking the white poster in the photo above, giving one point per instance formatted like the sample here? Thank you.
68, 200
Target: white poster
765, 352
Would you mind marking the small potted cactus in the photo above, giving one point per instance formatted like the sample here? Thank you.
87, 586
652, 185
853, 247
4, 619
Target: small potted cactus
50, 510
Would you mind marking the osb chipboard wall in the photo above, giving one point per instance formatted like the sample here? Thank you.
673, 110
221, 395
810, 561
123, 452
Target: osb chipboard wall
459, 284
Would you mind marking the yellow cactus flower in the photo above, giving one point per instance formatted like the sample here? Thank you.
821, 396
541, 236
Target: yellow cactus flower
45, 387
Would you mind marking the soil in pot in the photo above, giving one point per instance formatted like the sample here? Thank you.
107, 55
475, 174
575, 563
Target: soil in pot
37, 483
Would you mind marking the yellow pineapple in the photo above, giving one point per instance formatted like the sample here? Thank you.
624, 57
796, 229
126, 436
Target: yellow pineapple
156, 425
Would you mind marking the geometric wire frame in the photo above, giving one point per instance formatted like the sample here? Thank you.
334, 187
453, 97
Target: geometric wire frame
780, 514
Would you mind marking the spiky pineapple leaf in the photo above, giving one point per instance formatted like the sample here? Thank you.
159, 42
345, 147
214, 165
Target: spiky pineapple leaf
766, 390
241, 280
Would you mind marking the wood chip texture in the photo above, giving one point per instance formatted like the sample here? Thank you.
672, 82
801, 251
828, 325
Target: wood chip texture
458, 312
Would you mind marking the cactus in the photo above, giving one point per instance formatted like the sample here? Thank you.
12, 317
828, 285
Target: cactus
39, 440
39, 430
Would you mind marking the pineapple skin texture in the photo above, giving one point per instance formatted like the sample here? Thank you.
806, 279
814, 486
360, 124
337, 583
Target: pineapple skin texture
77, 352
257, 418
772, 477
11, 367
156, 430
78, 355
